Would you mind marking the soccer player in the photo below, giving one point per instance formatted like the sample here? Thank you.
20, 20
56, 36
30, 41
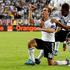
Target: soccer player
64, 17
60, 36
47, 42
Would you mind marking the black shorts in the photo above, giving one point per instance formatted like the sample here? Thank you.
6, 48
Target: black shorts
61, 35
46, 46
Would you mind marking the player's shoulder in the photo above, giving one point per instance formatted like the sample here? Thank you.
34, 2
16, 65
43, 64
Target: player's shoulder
49, 22
55, 13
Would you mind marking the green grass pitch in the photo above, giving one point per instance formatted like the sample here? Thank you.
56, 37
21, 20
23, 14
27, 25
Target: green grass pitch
14, 52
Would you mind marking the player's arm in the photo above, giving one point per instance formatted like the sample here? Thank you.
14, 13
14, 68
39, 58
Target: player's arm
31, 21
58, 29
31, 9
49, 30
60, 24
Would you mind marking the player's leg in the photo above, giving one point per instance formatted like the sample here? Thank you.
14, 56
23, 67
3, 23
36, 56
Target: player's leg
41, 54
35, 43
58, 62
60, 36
48, 53
51, 61
37, 59
68, 41
65, 62
64, 46
31, 45
64, 39
57, 42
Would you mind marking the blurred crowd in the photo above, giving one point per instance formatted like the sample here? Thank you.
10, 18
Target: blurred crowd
19, 9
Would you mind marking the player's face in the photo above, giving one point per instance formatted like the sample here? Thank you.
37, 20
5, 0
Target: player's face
64, 12
45, 13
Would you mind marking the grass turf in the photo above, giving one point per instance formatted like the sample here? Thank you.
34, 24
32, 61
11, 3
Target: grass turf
14, 52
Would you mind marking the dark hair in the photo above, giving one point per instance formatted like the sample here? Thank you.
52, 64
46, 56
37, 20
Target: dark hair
65, 6
49, 9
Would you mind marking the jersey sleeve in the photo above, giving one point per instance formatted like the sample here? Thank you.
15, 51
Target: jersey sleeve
53, 26
55, 15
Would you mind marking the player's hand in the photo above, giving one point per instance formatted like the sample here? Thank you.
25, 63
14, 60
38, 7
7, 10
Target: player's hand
32, 7
68, 27
54, 21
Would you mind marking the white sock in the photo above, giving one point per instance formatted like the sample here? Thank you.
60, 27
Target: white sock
40, 54
61, 62
31, 54
57, 45
64, 42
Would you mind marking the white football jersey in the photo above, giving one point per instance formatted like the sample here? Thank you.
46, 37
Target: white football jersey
57, 15
50, 37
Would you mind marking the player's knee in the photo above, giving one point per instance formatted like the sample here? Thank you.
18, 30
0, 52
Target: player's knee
31, 43
51, 62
